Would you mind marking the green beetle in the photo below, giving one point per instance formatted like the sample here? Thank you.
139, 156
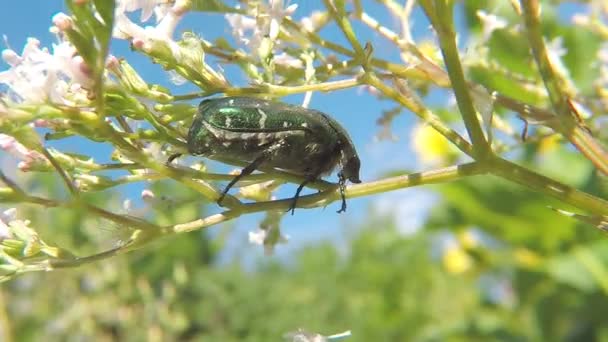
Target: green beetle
301, 141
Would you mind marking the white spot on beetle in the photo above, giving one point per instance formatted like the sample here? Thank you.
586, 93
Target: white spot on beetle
263, 118
313, 148
228, 122
239, 137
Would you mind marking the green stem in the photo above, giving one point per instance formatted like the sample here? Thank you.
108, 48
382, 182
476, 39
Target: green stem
64, 176
572, 125
336, 10
548, 186
444, 26
411, 102
389, 184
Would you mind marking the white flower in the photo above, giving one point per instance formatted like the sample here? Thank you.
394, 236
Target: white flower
6, 217
556, 47
288, 60
580, 19
257, 237
167, 18
602, 53
245, 30
154, 150
313, 22
266, 22
37, 76
147, 7
277, 13
304, 336
489, 23
16, 149
62, 21
602, 56
555, 52
127, 205
266, 238
147, 195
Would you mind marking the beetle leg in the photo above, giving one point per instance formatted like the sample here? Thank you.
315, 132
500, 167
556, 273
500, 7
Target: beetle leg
342, 182
292, 207
173, 157
247, 170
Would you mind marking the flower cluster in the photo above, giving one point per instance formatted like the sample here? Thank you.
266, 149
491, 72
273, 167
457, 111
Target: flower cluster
29, 158
39, 75
259, 30
167, 17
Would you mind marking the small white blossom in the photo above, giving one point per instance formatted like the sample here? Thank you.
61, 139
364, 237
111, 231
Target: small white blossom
167, 18
62, 21
245, 30
489, 23
303, 336
555, 52
580, 19
176, 78
147, 195
602, 53
277, 13
6, 217
602, 56
146, 6
127, 205
556, 47
261, 22
257, 237
263, 237
16, 149
313, 22
154, 150
288, 60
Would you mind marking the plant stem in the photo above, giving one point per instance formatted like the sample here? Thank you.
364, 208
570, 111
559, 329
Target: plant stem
548, 186
447, 40
572, 125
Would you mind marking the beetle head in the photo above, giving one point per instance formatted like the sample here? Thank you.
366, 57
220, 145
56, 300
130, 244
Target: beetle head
350, 168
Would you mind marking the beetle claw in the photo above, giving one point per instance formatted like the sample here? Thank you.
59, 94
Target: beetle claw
219, 200
292, 207
342, 186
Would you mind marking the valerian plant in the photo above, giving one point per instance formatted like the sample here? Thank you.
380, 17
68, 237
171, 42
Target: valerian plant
80, 89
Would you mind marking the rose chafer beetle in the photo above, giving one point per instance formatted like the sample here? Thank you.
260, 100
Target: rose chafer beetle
264, 133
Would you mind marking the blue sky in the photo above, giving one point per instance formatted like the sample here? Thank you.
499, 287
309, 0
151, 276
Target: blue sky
357, 111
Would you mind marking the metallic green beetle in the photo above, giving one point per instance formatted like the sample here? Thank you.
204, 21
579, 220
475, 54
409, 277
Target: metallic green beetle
265, 133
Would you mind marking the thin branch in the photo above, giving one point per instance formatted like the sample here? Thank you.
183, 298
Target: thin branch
571, 124
66, 179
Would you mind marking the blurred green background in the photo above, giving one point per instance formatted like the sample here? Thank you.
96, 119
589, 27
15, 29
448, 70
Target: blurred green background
492, 262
